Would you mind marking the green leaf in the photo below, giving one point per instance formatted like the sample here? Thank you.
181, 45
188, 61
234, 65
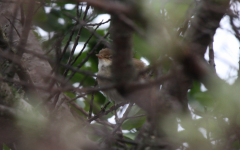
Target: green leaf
133, 123
196, 88
135, 110
99, 98
69, 94
198, 99
130, 135
192, 136
5, 147
176, 12
236, 144
77, 111
143, 48
40, 16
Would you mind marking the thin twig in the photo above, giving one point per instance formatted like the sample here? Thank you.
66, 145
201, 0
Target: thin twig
73, 99
133, 117
101, 113
96, 24
69, 40
120, 122
26, 28
88, 56
12, 26
108, 6
83, 23
80, 53
76, 41
4, 110
84, 46
16, 9
127, 141
13, 1
211, 56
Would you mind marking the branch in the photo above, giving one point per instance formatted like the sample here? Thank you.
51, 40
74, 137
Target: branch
133, 117
12, 26
211, 57
76, 41
108, 6
13, 1
103, 112
4, 110
120, 121
123, 70
91, 102
70, 61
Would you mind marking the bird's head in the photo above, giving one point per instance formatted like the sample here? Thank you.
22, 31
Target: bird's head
105, 61
104, 58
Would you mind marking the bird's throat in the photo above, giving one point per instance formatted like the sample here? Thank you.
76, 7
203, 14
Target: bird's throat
104, 67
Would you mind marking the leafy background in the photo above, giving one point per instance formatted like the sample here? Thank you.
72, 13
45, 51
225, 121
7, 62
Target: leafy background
55, 19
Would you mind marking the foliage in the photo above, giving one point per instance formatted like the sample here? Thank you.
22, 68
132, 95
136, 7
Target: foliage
212, 121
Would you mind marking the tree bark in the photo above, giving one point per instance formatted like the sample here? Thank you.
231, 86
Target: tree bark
36, 71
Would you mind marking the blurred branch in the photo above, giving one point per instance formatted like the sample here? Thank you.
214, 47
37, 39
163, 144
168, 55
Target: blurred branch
103, 112
77, 106
14, 1
87, 114
133, 117
132, 25
128, 141
79, 96
108, 6
23, 14
211, 56
200, 33
118, 9
26, 28
91, 102
138, 85
16, 59
197, 38
13, 68
189, 14
4, 110
236, 29
12, 26
133, 86
83, 23
123, 70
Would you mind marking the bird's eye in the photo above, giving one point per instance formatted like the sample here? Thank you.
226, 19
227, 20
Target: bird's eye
110, 57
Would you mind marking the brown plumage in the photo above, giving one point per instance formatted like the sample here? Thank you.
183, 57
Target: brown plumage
104, 69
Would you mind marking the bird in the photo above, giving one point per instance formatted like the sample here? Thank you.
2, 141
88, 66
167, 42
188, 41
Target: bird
104, 70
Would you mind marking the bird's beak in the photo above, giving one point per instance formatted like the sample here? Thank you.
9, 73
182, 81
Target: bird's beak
99, 56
